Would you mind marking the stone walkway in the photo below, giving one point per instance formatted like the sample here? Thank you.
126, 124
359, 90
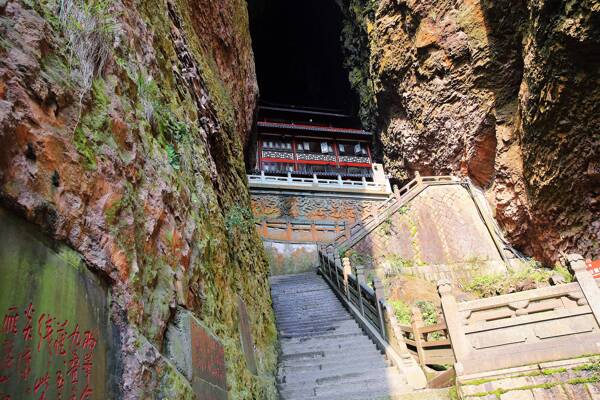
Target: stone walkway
324, 353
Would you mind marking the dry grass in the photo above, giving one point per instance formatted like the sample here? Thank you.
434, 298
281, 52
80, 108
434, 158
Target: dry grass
89, 30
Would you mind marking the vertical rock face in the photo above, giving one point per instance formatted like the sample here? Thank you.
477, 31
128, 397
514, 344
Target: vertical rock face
505, 92
121, 133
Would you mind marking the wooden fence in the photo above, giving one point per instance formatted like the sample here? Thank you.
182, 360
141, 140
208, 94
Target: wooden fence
430, 344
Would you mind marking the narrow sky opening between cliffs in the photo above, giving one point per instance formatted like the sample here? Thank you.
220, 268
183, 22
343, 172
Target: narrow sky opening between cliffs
298, 54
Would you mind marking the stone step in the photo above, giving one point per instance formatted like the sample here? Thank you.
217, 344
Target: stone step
365, 389
324, 352
339, 326
313, 354
380, 385
335, 376
333, 321
326, 366
315, 311
328, 345
324, 343
334, 336
373, 388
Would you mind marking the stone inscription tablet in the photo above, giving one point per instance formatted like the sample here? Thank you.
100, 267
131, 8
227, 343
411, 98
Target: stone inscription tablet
54, 337
209, 378
246, 336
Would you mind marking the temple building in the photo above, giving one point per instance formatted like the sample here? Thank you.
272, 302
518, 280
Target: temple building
312, 175
307, 142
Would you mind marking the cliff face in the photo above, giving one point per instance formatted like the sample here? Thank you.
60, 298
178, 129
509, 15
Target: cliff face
505, 92
121, 133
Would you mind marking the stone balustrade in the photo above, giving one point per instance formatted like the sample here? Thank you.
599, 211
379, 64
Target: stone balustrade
533, 326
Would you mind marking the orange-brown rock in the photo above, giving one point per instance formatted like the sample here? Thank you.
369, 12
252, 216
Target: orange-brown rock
505, 92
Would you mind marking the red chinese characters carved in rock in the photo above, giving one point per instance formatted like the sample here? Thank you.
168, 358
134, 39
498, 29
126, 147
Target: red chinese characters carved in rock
26, 335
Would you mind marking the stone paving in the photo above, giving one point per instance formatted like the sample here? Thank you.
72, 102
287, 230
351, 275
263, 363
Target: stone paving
324, 353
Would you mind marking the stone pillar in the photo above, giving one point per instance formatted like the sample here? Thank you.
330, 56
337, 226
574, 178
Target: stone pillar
416, 325
418, 177
396, 192
454, 324
336, 270
265, 229
329, 260
586, 282
347, 271
380, 299
360, 277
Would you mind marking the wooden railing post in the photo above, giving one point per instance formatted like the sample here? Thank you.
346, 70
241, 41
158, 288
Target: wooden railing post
360, 277
417, 324
380, 299
454, 323
586, 282
347, 271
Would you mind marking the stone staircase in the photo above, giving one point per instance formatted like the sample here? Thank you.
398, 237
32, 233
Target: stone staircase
324, 352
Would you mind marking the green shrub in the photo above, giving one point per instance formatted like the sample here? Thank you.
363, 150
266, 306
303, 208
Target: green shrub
394, 264
489, 285
428, 311
402, 311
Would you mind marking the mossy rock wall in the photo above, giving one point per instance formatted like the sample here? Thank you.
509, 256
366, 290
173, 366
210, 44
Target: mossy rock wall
122, 127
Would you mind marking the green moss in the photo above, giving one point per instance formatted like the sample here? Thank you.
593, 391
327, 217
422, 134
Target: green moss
552, 371
85, 149
594, 366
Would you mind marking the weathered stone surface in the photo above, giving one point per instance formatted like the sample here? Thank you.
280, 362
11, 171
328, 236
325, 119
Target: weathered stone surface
439, 226
142, 174
553, 393
517, 395
505, 92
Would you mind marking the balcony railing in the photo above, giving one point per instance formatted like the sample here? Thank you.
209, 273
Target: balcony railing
319, 184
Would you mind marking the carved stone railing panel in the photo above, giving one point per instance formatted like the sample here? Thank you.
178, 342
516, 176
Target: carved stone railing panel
528, 327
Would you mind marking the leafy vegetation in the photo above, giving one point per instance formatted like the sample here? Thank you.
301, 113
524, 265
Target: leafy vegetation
428, 311
402, 311
495, 284
386, 227
394, 264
